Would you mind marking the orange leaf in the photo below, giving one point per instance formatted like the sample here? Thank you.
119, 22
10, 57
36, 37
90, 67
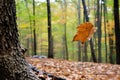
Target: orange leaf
84, 32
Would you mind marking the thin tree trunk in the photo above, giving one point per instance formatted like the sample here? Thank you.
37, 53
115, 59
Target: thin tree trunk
85, 51
52, 47
117, 29
30, 24
95, 35
63, 37
50, 54
91, 43
28, 46
111, 47
12, 63
84, 47
66, 47
63, 48
34, 30
41, 40
99, 29
73, 52
64, 7
79, 47
79, 51
105, 30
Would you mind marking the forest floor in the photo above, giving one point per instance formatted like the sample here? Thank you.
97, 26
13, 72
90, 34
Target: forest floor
71, 70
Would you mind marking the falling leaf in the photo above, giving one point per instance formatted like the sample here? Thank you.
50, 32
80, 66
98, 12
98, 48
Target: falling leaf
84, 32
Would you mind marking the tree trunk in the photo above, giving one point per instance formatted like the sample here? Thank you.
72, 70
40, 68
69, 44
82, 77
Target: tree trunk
105, 30
65, 29
35, 45
30, 24
12, 63
91, 42
117, 29
85, 51
64, 6
28, 46
34, 31
65, 39
79, 51
50, 54
63, 48
79, 47
99, 29
95, 35
111, 48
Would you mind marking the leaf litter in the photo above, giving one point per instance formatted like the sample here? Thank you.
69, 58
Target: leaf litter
71, 70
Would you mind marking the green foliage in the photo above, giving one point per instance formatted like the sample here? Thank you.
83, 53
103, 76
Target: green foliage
24, 15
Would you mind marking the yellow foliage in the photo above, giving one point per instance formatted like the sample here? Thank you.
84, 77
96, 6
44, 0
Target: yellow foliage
110, 26
25, 25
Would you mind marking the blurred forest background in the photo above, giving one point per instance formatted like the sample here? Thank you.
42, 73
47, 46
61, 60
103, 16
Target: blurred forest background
65, 16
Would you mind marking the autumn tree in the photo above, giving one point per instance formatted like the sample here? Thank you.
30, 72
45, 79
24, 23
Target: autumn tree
13, 66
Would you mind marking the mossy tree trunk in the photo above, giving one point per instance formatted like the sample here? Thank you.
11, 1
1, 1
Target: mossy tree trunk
13, 66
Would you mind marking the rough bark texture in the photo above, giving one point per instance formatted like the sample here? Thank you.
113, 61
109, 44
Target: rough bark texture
14, 67
12, 63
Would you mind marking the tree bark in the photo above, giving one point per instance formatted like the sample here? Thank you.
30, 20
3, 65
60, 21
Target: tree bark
50, 46
13, 66
99, 12
117, 30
